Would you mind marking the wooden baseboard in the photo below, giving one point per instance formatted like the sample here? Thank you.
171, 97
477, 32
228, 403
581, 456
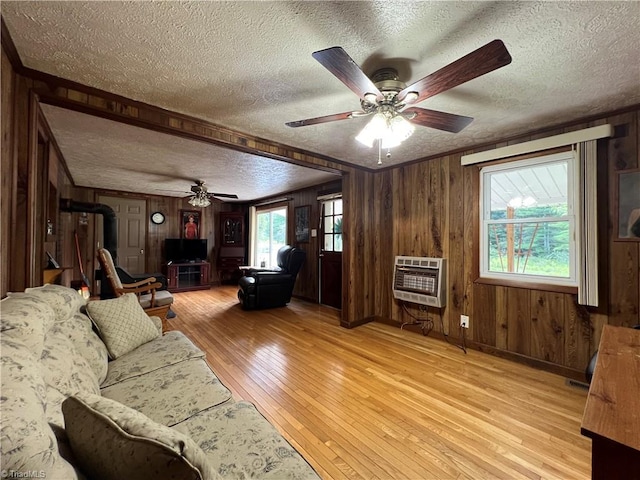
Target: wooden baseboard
515, 357
357, 323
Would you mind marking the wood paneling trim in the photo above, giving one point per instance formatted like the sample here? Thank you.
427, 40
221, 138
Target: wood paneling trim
9, 48
456, 243
34, 212
44, 125
121, 109
577, 334
18, 219
8, 173
518, 313
543, 132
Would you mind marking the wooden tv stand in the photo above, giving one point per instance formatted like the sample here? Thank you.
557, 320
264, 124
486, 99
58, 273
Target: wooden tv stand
182, 277
611, 417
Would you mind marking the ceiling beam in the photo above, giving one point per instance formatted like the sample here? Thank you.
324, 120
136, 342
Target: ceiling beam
72, 95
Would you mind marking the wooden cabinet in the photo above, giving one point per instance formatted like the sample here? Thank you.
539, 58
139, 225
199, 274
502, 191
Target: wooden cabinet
232, 229
232, 251
182, 277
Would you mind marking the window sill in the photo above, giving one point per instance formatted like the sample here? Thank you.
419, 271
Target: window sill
528, 285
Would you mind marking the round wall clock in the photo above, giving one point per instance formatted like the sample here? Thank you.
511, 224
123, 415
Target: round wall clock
157, 218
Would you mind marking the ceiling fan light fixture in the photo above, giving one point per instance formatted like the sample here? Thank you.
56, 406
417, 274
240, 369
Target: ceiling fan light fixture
400, 128
388, 142
365, 138
410, 97
200, 200
371, 97
376, 128
391, 130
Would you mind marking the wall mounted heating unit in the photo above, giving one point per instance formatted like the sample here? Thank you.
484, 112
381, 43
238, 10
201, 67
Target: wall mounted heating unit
420, 280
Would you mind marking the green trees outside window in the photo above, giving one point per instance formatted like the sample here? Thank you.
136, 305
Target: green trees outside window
271, 235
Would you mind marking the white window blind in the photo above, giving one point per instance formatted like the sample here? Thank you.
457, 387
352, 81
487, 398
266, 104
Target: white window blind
587, 153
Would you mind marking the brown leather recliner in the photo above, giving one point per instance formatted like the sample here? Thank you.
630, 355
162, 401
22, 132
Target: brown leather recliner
267, 288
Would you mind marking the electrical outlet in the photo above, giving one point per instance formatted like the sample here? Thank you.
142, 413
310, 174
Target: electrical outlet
464, 321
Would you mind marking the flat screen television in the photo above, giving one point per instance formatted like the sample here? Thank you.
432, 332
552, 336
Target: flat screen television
181, 250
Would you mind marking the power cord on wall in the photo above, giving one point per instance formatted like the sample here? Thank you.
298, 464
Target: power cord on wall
425, 323
462, 347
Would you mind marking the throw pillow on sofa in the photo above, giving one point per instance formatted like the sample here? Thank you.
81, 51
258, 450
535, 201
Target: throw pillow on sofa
112, 441
122, 324
88, 344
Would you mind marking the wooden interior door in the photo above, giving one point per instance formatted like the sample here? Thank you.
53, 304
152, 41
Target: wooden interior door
331, 253
131, 215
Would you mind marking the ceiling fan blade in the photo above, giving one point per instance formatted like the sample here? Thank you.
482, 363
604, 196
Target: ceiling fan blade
338, 62
325, 119
438, 120
223, 195
483, 60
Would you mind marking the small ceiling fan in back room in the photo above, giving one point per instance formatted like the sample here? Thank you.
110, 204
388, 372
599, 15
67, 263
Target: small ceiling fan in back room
391, 102
200, 196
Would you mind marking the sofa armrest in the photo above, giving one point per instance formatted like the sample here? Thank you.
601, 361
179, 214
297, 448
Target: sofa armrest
273, 278
140, 289
147, 281
251, 271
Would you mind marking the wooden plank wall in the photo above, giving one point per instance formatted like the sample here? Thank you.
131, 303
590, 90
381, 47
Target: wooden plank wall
18, 208
430, 208
155, 235
25, 178
8, 169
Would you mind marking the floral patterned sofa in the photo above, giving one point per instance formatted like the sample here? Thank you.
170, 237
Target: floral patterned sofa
126, 402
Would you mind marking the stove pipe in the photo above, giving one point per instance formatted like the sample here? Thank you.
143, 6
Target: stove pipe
110, 226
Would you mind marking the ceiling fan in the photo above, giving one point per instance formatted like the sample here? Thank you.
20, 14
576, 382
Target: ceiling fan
201, 197
390, 101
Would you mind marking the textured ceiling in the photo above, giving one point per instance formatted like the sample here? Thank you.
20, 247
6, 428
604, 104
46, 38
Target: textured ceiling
248, 65
102, 153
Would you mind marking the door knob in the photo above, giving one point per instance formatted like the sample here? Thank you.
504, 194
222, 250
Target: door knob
142, 251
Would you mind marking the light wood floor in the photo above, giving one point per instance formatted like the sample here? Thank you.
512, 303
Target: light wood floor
377, 402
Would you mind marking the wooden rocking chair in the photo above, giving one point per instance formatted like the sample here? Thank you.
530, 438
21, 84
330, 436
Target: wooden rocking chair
154, 302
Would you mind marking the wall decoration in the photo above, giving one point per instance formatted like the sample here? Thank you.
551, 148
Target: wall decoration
302, 215
190, 224
628, 205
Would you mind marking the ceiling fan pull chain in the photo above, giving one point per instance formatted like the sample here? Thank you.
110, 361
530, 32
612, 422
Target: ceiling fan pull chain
379, 151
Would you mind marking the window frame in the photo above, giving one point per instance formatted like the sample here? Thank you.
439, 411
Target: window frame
545, 282
333, 215
254, 240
